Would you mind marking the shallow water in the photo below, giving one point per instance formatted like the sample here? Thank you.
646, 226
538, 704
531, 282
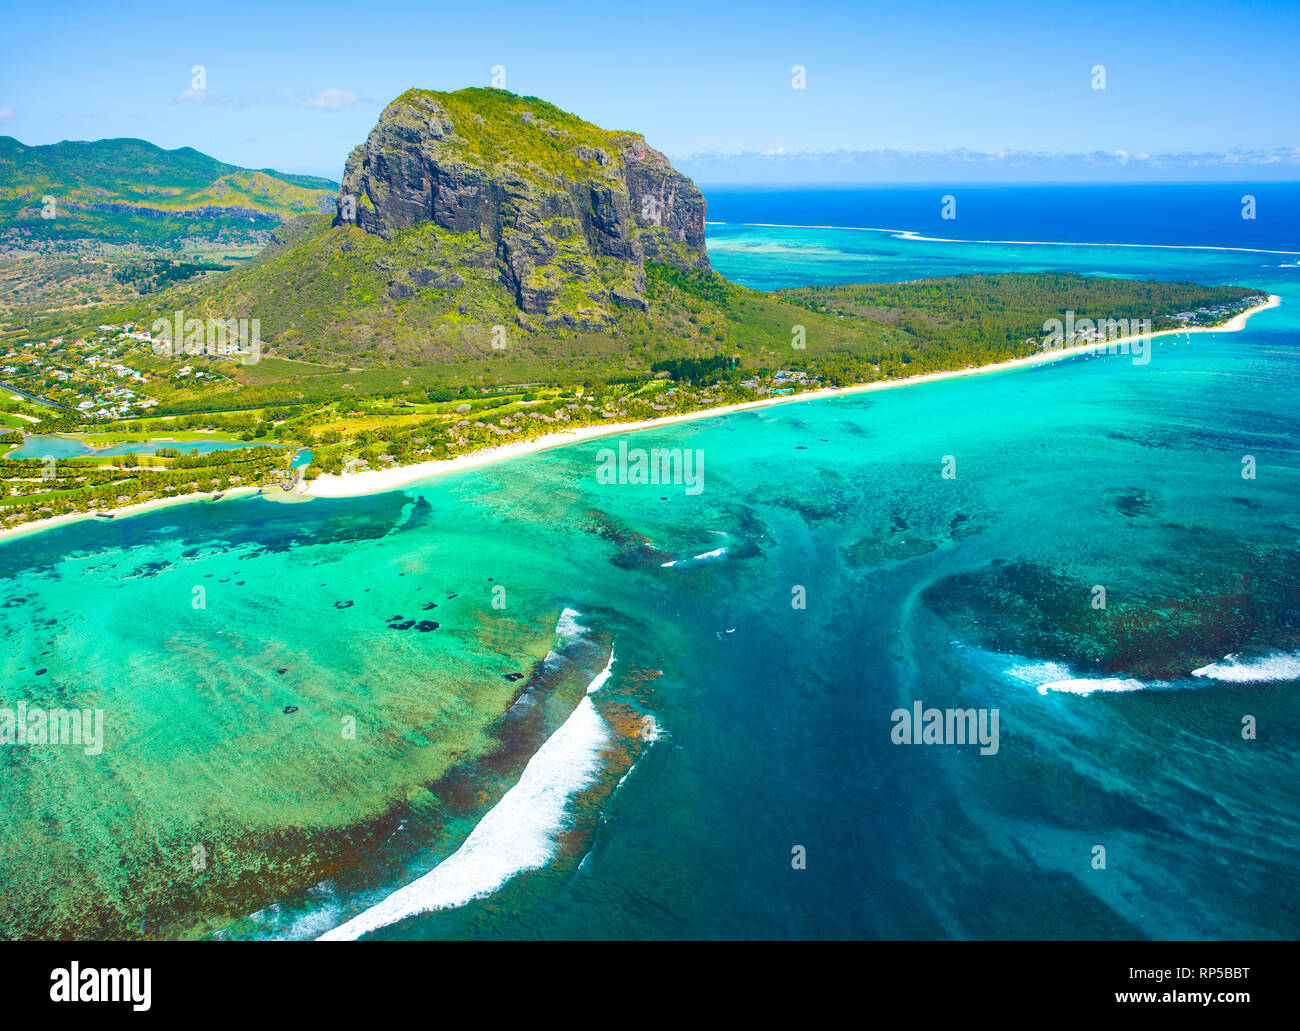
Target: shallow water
733, 726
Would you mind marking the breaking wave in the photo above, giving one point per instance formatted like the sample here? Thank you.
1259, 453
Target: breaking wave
567, 627
1056, 676
1260, 670
518, 834
695, 560
603, 675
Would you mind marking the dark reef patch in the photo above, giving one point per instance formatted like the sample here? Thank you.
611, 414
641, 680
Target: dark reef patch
1025, 608
1135, 502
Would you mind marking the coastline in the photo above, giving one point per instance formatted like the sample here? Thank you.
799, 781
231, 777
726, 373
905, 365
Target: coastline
49, 523
377, 481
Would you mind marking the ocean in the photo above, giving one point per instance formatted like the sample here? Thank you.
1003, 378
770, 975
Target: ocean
516, 702
1164, 214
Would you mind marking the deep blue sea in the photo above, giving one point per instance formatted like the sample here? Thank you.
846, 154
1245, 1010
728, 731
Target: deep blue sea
1168, 214
701, 689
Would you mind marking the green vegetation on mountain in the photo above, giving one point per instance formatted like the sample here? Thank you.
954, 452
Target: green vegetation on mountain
494, 128
127, 191
568, 213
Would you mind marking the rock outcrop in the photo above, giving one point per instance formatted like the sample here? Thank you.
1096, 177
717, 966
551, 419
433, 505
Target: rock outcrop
570, 212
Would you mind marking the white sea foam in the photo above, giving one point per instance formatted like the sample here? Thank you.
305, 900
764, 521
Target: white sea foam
1264, 669
603, 676
1086, 687
275, 921
567, 627
518, 834
908, 234
567, 630
1036, 673
1056, 676
707, 556
913, 235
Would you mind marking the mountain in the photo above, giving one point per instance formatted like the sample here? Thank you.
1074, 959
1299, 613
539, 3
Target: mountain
481, 237
480, 224
571, 211
128, 191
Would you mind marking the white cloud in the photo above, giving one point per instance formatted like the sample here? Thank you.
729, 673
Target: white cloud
331, 99
6, 112
989, 158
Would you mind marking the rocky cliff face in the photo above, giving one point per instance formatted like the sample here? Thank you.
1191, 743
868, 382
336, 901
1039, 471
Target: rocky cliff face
571, 211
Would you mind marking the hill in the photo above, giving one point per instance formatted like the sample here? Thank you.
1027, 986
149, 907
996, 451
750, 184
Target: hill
569, 212
130, 192
483, 238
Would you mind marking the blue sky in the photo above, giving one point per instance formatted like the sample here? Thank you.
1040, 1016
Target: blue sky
946, 91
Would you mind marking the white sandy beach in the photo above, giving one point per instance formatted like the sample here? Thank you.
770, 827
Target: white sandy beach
376, 481
125, 510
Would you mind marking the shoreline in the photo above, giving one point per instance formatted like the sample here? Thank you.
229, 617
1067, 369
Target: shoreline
50, 522
378, 481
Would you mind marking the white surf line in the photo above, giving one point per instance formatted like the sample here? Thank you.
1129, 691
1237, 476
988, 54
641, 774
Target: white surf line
567, 627
705, 557
1056, 676
914, 235
603, 676
518, 834
567, 630
1087, 687
1232, 669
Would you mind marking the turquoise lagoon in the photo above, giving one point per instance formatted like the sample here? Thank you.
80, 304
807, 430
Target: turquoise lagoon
498, 704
